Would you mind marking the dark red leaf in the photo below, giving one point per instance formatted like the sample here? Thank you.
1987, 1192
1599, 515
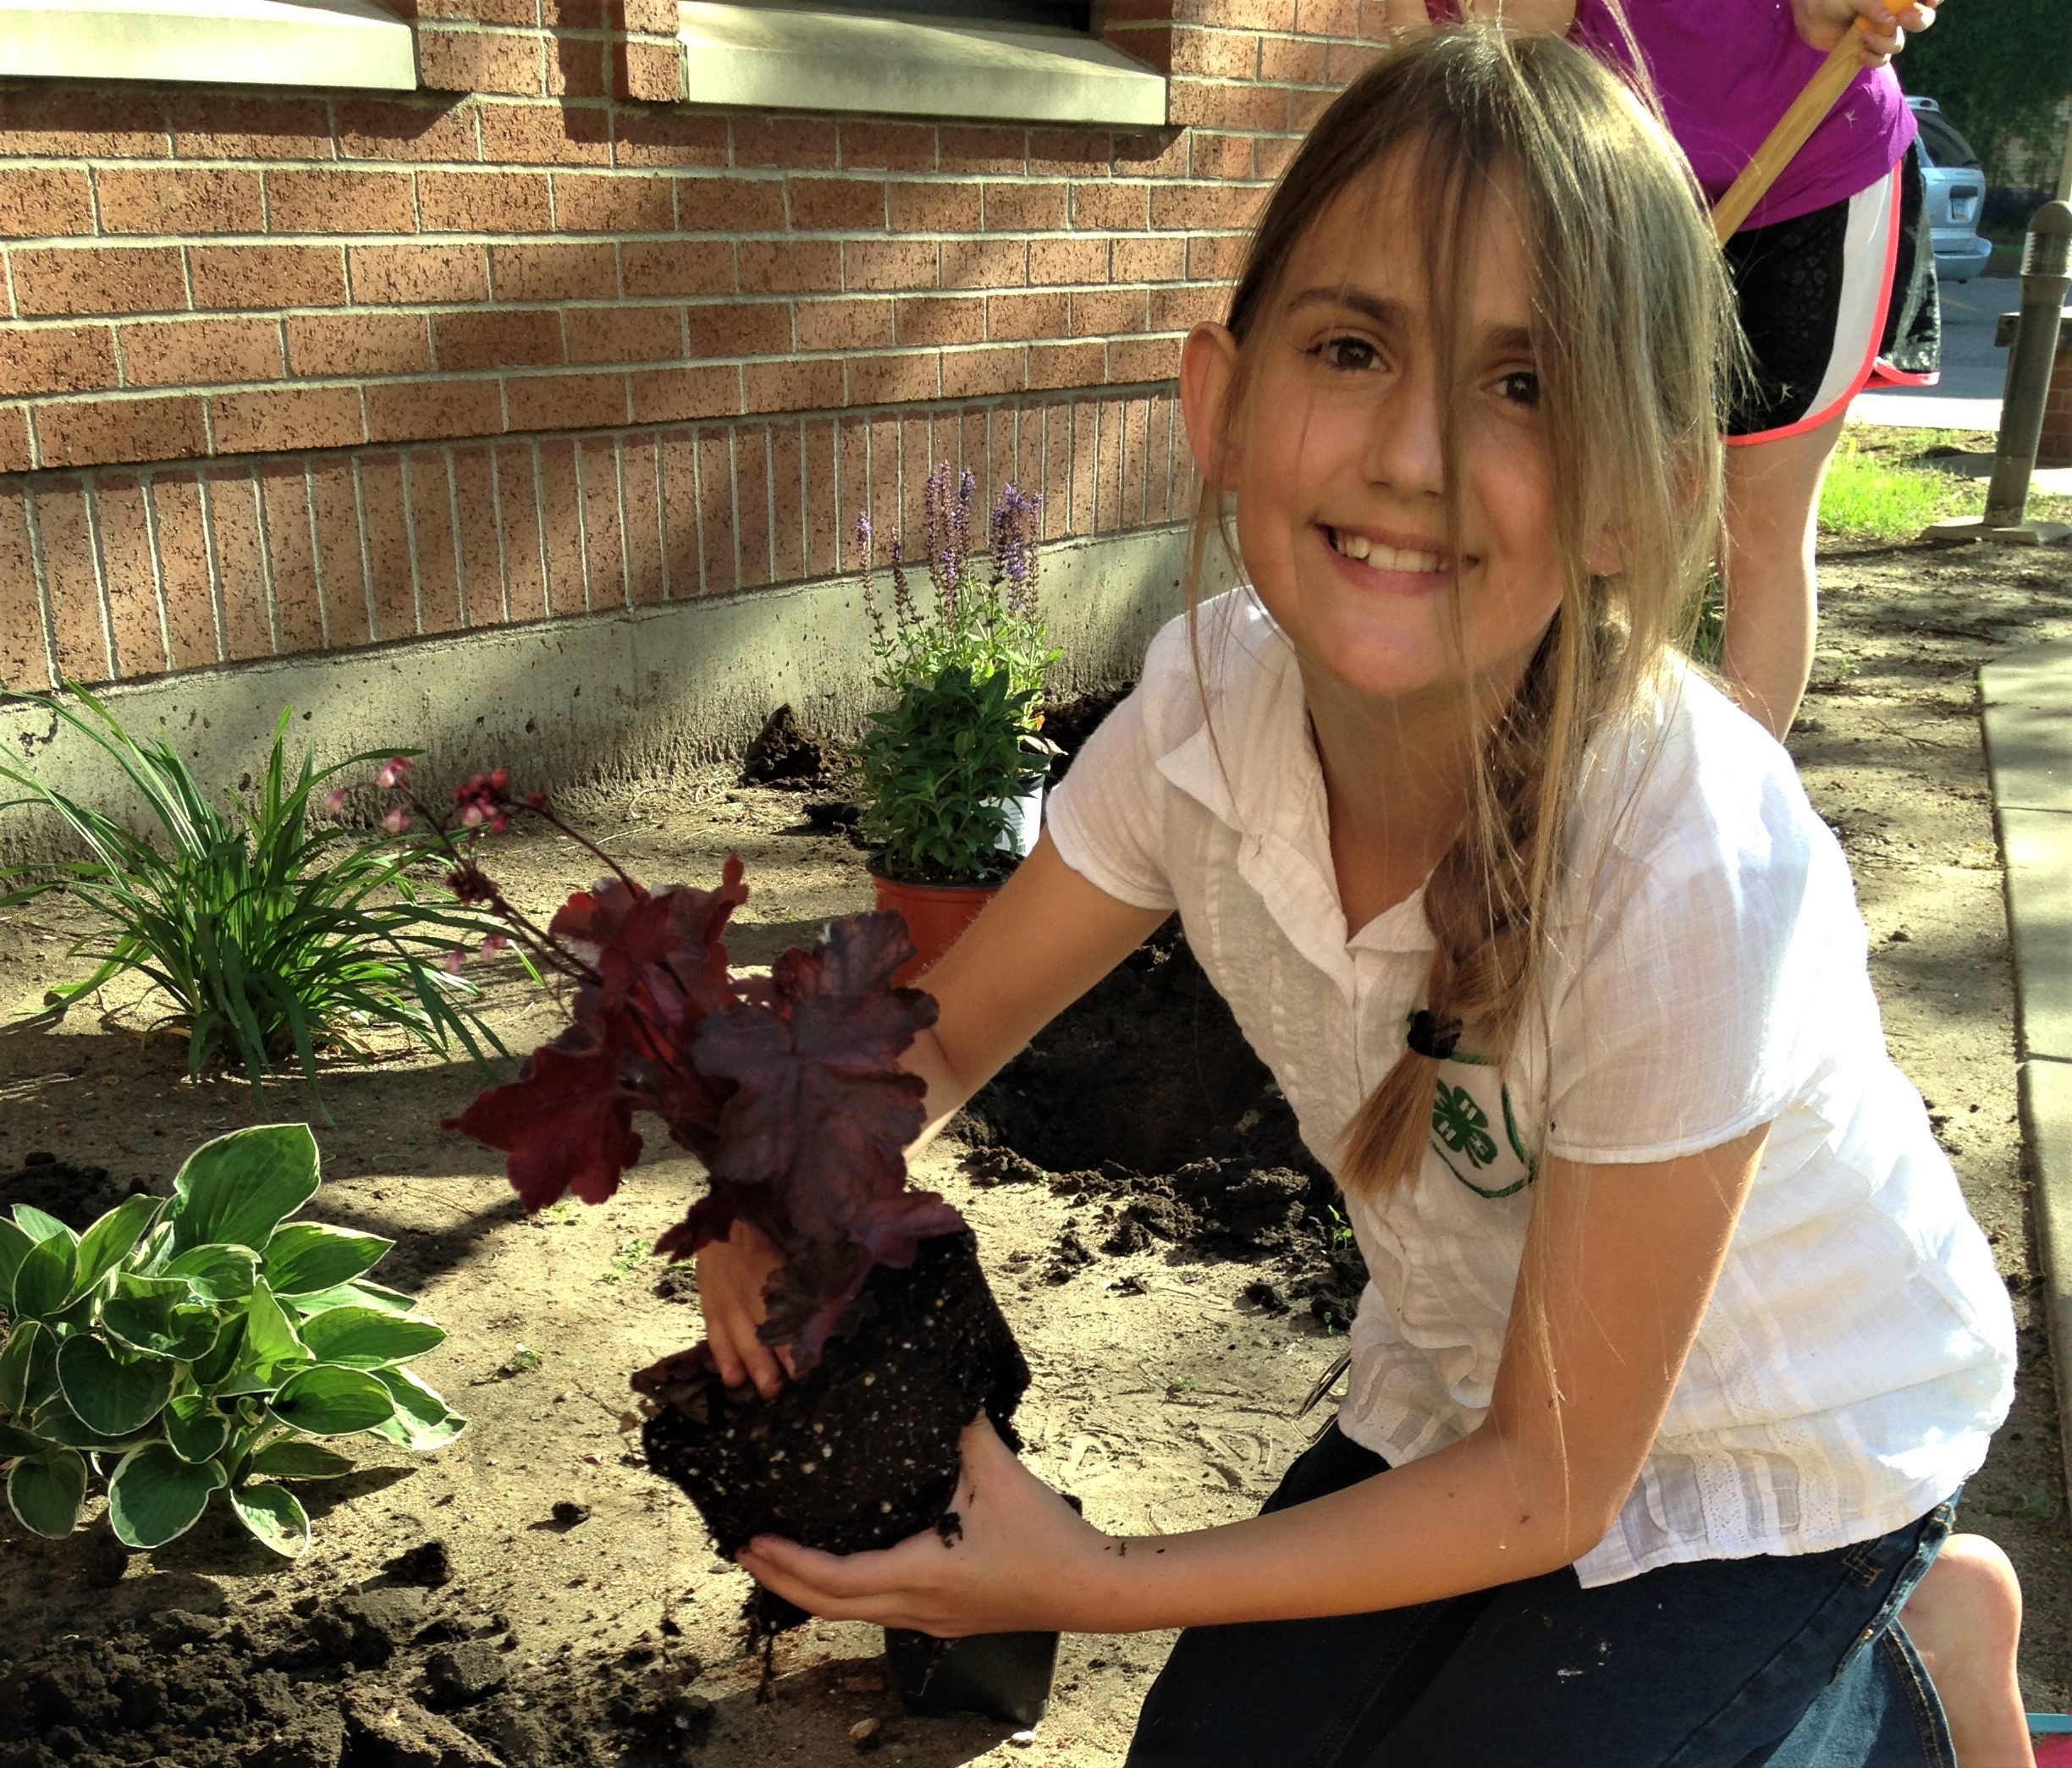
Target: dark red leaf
821, 1110
565, 1124
711, 1218
661, 966
805, 1295
789, 1088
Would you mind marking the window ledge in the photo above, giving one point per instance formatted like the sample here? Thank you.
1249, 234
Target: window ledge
786, 59
341, 43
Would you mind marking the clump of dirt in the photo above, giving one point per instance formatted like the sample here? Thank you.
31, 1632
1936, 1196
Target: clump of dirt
1148, 1069
864, 1450
1145, 1100
384, 1674
1232, 1209
78, 1195
787, 755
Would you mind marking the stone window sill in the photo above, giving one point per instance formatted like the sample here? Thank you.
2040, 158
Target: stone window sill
338, 43
786, 58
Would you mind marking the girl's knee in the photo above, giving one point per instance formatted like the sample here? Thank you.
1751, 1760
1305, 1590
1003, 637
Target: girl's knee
1969, 1597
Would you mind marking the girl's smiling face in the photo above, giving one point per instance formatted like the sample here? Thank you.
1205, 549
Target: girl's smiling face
1336, 452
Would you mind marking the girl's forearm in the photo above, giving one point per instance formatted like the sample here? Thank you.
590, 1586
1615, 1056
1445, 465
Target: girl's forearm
947, 1091
1478, 1514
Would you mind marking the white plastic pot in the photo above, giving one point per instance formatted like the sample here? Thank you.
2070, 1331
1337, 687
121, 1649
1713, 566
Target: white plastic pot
1024, 821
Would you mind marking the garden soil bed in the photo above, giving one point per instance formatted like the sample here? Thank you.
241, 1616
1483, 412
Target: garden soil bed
1165, 1251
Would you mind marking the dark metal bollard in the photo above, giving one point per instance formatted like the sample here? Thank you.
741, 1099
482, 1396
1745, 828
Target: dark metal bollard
2047, 278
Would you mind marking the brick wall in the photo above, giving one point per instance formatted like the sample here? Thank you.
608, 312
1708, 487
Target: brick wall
2054, 444
300, 371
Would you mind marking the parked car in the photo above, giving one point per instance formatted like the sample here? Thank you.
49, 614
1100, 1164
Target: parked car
1956, 191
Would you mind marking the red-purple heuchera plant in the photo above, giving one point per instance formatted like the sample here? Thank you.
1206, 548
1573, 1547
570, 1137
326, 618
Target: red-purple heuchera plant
788, 1088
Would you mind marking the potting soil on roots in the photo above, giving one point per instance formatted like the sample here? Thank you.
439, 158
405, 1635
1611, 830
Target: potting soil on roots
864, 1450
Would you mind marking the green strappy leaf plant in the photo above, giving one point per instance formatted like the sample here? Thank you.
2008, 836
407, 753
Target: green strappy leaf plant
202, 1343
271, 934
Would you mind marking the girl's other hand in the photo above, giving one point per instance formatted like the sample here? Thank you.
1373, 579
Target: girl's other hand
1020, 1560
1821, 23
730, 1276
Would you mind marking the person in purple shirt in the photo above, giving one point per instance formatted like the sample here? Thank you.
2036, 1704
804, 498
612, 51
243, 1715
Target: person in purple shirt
1834, 268
1836, 278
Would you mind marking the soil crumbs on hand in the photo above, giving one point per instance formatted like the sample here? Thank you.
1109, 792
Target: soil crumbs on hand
1164, 1381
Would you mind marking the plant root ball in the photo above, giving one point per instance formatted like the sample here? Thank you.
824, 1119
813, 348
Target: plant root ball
863, 1452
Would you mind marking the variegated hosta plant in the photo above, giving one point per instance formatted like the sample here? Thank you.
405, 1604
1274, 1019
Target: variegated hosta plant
201, 1343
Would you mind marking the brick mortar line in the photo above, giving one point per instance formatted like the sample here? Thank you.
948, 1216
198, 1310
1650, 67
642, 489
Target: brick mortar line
410, 542
97, 243
453, 515
98, 564
644, 303
219, 466
367, 548
582, 526
496, 520
264, 519
662, 545
152, 544
398, 166
316, 559
734, 521
213, 562
40, 570
539, 510
698, 504
528, 374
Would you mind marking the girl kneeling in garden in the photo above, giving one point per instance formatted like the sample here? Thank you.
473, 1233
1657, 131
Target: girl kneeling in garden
1663, 1388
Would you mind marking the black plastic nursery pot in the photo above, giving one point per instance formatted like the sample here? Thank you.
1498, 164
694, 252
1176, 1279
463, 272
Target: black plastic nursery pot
863, 1452
1005, 1676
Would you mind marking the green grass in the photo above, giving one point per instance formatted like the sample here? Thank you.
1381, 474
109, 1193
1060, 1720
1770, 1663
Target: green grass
1873, 496
1887, 485
629, 1257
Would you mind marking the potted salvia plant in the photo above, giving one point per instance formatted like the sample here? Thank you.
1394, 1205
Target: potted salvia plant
952, 768
789, 1088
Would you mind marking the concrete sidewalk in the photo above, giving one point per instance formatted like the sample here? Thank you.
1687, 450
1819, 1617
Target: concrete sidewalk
2028, 715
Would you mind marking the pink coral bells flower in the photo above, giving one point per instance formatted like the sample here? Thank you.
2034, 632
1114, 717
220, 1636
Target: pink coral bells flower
452, 962
395, 772
396, 821
334, 801
486, 798
495, 945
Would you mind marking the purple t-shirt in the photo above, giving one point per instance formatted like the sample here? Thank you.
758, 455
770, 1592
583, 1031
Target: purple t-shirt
1726, 72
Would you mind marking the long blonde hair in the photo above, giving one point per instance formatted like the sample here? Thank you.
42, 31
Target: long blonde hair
1634, 334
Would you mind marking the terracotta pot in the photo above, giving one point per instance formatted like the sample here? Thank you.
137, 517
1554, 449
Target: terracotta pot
935, 915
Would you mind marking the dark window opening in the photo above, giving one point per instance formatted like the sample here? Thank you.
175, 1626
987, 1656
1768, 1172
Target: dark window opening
1942, 143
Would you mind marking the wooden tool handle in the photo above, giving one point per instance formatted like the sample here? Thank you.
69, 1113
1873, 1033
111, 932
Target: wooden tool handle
1781, 145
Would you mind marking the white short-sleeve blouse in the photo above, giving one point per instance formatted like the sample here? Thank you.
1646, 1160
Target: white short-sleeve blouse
1707, 976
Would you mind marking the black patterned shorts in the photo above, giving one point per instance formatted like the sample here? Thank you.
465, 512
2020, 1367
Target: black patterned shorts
1826, 297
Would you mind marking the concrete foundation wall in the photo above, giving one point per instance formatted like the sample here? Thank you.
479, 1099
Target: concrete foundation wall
631, 694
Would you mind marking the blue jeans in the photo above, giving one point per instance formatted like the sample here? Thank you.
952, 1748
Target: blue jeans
1793, 1661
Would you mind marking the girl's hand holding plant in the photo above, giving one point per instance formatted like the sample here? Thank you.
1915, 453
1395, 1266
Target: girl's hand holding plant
731, 1276
1020, 1560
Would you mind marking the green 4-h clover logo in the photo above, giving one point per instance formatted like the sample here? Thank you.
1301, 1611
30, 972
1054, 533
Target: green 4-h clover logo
1463, 1125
